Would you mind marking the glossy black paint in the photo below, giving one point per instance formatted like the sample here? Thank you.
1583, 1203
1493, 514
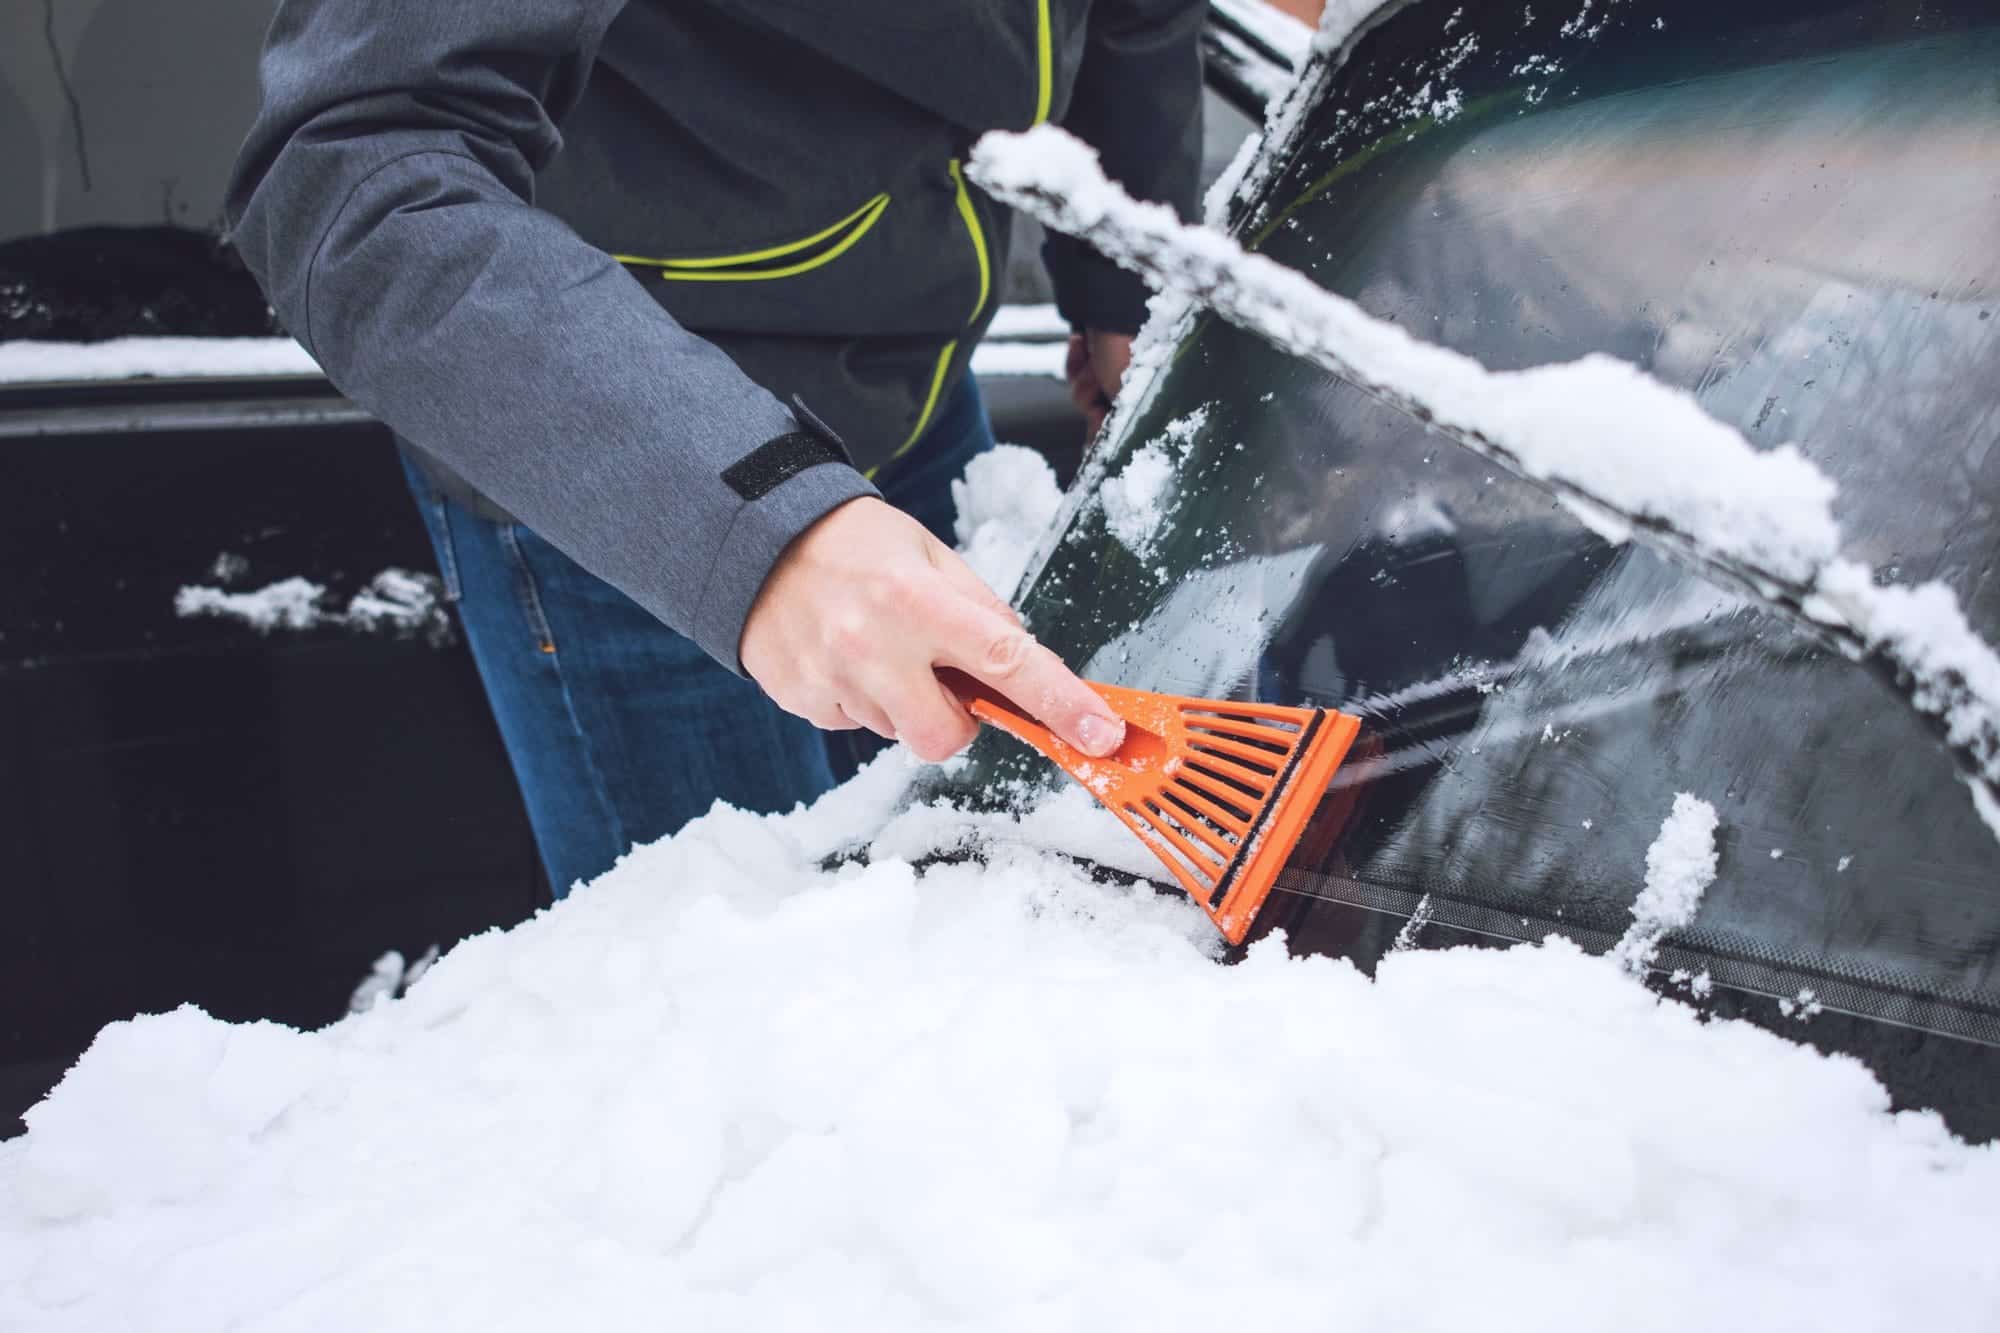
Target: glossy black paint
110, 282
1791, 211
191, 812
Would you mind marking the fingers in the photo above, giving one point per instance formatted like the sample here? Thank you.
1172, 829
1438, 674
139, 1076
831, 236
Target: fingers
864, 713
1110, 355
1088, 398
1095, 364
928, 717
1085, 391
999, 652
1076, 359
853, 621
821, 711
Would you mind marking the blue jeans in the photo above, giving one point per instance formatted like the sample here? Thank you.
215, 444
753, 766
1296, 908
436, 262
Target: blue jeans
619, 729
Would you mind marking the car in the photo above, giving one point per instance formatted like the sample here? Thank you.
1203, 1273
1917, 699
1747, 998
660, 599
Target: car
1788, 210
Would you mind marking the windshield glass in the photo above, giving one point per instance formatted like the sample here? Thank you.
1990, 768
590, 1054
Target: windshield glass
1788, 209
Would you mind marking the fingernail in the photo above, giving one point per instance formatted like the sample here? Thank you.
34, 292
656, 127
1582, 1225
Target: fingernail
1100, 735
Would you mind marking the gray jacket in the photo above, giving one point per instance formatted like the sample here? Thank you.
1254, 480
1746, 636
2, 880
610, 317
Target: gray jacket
755, 203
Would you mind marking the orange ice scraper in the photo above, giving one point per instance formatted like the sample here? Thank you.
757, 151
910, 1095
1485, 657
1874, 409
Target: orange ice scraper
1220, 791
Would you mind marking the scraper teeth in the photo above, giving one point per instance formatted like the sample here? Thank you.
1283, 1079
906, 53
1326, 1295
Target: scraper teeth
1213, 788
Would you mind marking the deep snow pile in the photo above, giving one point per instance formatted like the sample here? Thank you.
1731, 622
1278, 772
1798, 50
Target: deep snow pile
1003, 504
723, 1088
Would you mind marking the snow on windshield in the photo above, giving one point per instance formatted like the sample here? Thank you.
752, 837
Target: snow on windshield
1626, 454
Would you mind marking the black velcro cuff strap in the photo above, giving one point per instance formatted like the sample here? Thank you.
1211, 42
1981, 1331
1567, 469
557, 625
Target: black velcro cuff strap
775, 462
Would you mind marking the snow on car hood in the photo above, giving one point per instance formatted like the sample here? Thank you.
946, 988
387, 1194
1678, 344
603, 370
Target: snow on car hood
724, 1087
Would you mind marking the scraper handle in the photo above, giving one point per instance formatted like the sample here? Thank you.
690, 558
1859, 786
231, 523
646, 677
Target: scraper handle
988, 705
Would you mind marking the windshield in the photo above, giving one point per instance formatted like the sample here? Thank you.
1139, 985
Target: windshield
1789, 210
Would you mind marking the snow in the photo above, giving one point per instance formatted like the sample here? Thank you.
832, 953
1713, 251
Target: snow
1043, 322
1956, 673
394, 601
1626, 454
229, 567
384, 979
26, 362
1680, 865
1004, 503
1625, 446
1140, 497
1022, 360
723, 1087
398, 601
1025, 340
292, 603
728, 1086
1136, 499
390, 976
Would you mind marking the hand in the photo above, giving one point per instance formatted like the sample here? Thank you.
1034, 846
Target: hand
1095, 367
862, 608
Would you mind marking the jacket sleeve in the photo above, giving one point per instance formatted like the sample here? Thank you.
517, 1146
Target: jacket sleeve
384, 199
1137, 101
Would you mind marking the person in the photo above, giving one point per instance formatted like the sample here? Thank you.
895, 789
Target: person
662, 299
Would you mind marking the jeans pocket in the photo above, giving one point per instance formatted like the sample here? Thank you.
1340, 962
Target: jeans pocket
525, 587
437, 516
435, 512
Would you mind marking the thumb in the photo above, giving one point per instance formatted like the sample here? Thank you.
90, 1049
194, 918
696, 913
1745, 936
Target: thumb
1003, 656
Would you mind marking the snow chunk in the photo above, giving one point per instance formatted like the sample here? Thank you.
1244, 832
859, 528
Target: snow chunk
1137, 499
1006, 500
394, 601
401, 602
1680, 865
1140, 498
287, 604
384, 979
228, 568
1957, 674
390, 976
